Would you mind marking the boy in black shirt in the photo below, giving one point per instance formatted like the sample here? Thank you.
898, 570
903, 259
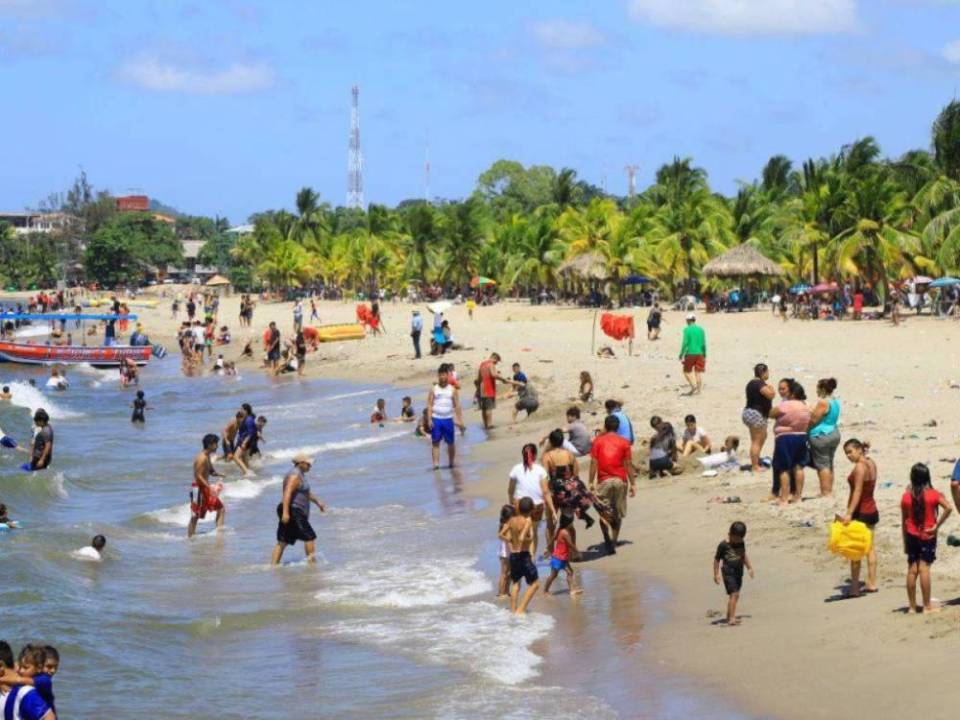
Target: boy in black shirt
732, 553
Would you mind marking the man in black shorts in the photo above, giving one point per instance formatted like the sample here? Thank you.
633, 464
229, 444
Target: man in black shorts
294, 511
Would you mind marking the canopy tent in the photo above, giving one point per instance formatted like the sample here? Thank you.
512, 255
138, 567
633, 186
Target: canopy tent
742, 261
217, 281
800, 289
588, 266
480, 281
636, 280
945, 282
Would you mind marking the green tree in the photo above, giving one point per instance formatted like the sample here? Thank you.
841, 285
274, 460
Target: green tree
946, 140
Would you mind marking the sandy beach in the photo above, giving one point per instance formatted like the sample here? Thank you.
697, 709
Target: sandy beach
793, 655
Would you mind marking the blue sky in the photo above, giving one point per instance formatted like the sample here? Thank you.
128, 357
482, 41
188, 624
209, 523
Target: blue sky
229, 106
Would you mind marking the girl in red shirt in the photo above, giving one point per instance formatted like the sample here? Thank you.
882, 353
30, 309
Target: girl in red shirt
919, 508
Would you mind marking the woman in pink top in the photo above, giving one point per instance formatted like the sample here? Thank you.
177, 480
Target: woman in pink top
792, 417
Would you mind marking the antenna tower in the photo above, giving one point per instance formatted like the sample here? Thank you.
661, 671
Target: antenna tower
631, 180
354, 157
426, 171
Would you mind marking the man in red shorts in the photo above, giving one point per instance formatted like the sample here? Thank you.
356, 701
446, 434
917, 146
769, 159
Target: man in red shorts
693, 353
206, 499
611, 467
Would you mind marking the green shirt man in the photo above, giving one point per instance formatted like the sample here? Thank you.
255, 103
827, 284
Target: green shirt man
693, 353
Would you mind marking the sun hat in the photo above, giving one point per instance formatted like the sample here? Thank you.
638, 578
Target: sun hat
691, 316
302, 458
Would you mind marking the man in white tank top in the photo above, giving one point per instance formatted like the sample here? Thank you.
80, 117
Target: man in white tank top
443, 416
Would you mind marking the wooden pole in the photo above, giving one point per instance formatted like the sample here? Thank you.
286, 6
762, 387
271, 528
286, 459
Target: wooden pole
593, 332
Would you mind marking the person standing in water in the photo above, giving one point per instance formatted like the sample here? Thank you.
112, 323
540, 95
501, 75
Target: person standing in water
443, 416
693, 353
206, 499
294, 511
41, 452
139, 405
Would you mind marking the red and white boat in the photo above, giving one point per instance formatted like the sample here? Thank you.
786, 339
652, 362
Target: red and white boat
98, 356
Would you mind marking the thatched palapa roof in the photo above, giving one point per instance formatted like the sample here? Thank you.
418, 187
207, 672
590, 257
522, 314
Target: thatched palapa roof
742, 261
589, 266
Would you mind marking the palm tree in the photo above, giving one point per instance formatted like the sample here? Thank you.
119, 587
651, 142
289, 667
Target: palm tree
463, 237
878, 240
776, 176
946, 140
286, 265
690, 220
423, 233
565, 190
590, 229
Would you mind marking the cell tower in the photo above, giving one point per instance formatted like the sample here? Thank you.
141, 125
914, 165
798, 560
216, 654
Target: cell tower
354, 157
631, 180
426, 170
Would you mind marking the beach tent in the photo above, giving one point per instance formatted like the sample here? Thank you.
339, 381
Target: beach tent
588, 266
945, 282
217, 281
743, 261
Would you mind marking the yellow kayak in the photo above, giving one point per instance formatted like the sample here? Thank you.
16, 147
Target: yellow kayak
334, 333
97, 302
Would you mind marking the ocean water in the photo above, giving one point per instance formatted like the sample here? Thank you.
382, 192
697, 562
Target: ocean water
396, 620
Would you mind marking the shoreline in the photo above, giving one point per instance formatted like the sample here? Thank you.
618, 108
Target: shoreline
788, 658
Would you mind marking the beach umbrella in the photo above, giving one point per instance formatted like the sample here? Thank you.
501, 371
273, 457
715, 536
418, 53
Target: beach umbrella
480, 281
824, 287
742, 261
217, 280
922, 280
945, 282
636, 280
440, 306
800, 289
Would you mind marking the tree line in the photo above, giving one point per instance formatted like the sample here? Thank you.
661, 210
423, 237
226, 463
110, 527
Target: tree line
854, 215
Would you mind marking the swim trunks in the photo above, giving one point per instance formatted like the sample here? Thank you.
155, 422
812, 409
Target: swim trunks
443, 429
522, 568
207, 501
488, 403
732, 581
613, 493
558, 564
299, 527
694, 362
920, 550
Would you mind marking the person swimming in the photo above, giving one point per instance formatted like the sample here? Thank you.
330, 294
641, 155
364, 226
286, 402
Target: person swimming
139, 405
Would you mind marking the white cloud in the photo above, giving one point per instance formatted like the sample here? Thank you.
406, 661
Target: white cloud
566, 35
749, 17
153, 73
951, 52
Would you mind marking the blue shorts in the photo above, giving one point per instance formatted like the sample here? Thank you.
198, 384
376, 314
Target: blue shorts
442, 430
558, 564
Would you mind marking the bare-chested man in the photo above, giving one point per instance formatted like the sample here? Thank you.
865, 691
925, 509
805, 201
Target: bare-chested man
518, 532
230, 436
207, 498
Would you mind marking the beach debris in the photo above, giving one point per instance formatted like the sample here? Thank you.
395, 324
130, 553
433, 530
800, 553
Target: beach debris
899, 397
953, 540
714, 614
886, 485
954, 385
930, 423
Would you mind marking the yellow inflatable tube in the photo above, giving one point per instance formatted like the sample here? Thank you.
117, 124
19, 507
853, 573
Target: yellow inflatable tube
852, 541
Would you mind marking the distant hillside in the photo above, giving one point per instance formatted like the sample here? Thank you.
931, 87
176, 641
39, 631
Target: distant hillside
159, 207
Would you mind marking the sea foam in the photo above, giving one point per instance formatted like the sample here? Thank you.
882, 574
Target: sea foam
289, 453
376, 583
469, 636
27, 396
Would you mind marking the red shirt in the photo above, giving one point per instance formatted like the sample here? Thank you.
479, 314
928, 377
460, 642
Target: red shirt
611, 451
488, 385
931, 499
